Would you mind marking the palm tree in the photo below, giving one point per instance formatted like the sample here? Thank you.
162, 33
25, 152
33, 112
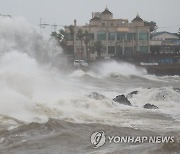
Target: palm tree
54, 34
61, 38
72, 33
152, 24
80, 35
86, 42
71, 29
98, 47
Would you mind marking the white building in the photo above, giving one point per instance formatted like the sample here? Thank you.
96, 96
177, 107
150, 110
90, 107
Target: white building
164, 42
162, 36
118, 36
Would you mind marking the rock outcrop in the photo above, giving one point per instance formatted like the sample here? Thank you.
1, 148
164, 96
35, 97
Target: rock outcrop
132, 93
121, 99
150, 106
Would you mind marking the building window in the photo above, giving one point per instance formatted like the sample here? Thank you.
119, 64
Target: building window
143, 49
121, 36
112, 36
119, 50
111, 49
101, 36
130, 36
103, 24
128, 50
143, 36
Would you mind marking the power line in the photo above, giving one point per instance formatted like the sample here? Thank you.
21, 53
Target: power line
55, 26
43, 25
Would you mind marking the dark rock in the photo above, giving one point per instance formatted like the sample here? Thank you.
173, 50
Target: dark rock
150, 106
122, 100
176, 89
132, 93
97, 96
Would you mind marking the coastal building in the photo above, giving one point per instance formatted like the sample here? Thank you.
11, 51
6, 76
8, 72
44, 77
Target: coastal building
165, 42
162, 36
118, 36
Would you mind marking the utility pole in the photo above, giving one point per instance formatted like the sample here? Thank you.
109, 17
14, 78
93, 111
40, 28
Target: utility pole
133, 44
54, 26
107, 40
123, 46
75, 32
42, 25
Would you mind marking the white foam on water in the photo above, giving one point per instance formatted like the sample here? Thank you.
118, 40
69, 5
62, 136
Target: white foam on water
81, 73
166, 98
17, 34
113, 68
25, 84
32, 92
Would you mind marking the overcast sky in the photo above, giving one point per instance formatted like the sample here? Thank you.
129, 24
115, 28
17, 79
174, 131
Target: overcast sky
166, 13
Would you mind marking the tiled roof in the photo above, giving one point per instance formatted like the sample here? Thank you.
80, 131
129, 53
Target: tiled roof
159, 33
137, 19
106, 11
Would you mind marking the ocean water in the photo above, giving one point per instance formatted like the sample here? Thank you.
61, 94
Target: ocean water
48, 108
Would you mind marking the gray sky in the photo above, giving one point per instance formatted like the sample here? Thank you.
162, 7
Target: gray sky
165, 13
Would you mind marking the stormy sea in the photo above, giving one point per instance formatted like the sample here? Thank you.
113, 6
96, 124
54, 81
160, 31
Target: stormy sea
48, 108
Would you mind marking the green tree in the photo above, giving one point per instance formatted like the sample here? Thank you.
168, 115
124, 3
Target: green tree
61, 38
152, 24
98, 47
80, 36
72, 33
86, 42
54, 34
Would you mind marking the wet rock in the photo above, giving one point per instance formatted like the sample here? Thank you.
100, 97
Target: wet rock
97, 96
150, 106
132, 93
177, 89
122, 100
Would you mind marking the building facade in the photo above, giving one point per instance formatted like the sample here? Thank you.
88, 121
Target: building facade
164, 42
162, 36
118, 36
